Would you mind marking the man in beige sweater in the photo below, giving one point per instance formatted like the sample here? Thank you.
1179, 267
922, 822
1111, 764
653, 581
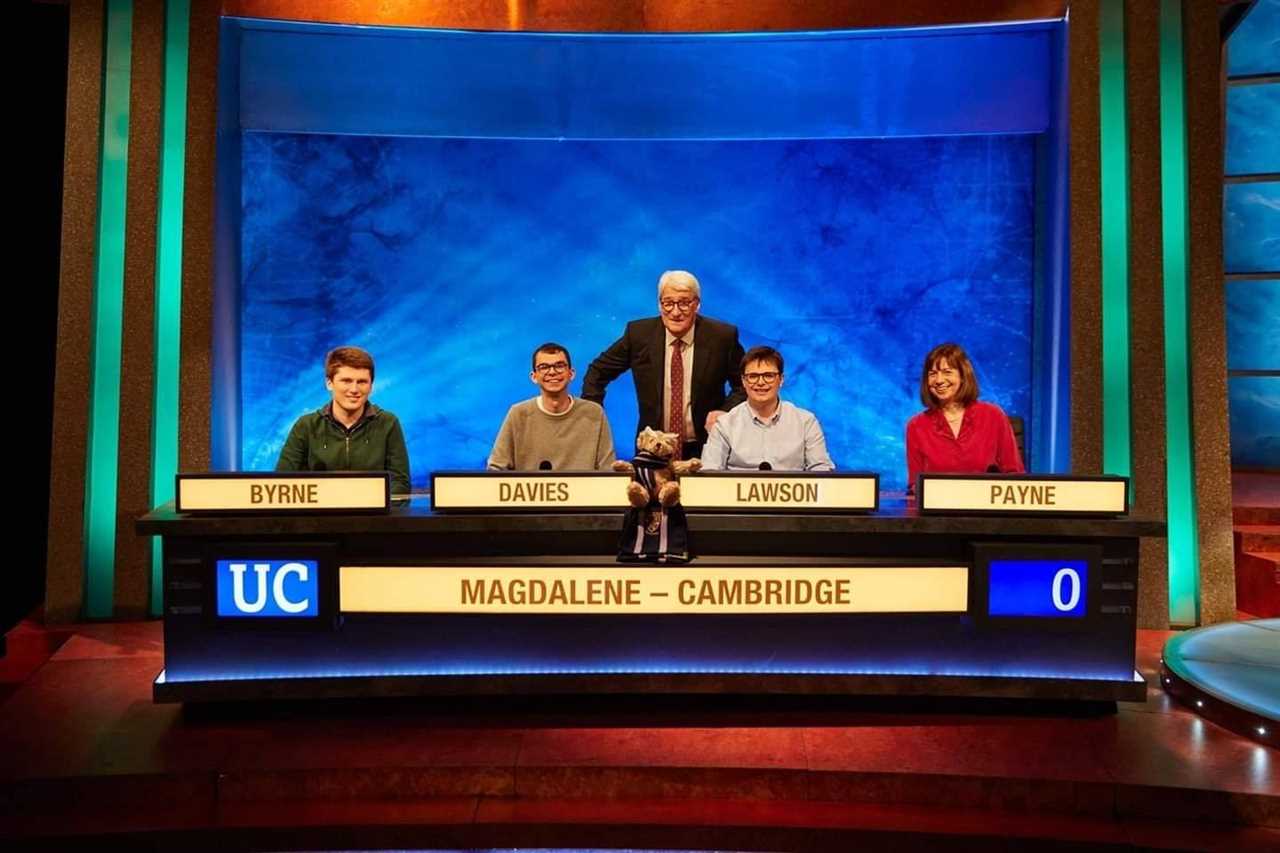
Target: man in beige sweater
553, 431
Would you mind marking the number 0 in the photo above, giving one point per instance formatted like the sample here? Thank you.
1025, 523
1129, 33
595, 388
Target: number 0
1074, 577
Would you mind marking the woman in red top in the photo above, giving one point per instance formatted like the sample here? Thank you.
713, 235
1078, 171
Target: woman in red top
957, 434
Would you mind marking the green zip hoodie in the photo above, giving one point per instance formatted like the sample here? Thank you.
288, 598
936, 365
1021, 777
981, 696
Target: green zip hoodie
317, 442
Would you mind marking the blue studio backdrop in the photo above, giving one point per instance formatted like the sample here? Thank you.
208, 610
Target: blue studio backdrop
449, 200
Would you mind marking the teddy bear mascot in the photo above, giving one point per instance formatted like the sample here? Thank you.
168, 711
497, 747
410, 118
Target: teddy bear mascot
655, 529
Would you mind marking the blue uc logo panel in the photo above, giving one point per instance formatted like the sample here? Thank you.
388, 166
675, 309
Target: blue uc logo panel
277, 589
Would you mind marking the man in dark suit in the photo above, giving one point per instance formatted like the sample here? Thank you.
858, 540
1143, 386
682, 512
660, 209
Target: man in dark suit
680, 362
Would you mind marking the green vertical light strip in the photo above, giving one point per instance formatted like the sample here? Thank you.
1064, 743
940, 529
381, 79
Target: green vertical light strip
108, 318
168, 290
1114, 131
1184, 557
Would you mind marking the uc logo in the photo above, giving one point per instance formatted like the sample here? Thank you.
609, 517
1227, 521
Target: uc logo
268, 588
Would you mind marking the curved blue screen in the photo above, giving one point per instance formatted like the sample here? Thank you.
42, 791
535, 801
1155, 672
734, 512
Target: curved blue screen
451, 260
449, 200
383, 81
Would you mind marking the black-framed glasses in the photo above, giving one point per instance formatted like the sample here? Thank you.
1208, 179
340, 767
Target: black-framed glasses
670, 305
557, 367
766, 378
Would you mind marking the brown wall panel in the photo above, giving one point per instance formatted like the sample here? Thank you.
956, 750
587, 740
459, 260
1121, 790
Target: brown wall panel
1207, 311
1086, 243
64, 583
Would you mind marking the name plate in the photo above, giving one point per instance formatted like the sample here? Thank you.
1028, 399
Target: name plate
781, 490
651, 589
515, 491
291, 492
1030, 495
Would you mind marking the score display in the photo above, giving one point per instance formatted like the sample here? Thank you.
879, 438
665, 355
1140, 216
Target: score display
1038, 588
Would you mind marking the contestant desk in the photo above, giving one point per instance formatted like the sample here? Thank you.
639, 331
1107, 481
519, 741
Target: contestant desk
948, 605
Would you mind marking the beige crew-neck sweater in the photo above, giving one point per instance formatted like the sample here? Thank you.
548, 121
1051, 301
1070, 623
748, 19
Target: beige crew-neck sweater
575, 440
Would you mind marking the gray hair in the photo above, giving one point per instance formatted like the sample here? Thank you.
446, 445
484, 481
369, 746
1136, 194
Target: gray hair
681, 280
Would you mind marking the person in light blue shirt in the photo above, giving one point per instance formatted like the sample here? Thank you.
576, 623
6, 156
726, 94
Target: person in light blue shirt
765, 429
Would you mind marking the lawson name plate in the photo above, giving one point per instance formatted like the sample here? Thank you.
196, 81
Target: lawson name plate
817, 492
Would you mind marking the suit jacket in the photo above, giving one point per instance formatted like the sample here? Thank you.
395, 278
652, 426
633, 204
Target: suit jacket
717, 359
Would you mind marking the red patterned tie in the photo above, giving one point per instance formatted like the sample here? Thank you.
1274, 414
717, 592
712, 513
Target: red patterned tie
675, 422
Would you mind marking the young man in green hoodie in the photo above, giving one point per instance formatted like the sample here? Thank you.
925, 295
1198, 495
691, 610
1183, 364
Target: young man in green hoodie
348, 433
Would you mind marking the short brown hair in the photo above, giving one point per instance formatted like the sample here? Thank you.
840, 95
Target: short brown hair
352, 357
551, 347
955, 356
761, 354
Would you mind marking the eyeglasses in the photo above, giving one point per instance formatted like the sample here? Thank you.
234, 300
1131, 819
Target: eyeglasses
558, 367
761, 378
670, 305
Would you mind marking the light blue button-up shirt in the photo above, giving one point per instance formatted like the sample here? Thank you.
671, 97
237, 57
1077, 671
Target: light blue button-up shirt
791, 440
